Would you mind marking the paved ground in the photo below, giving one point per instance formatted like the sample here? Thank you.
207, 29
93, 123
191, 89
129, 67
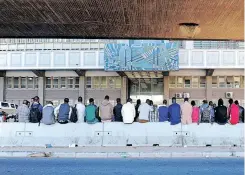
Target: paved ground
109, 152
173, 166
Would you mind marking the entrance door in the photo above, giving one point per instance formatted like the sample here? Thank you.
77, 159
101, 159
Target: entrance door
146, 88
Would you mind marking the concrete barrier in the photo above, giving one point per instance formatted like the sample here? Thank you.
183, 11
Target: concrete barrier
11, 134
214, 135
142, 134
30, 134
119, 134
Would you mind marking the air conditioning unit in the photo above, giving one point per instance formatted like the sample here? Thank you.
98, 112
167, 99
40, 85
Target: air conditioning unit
186, 95
178, 95
229, 94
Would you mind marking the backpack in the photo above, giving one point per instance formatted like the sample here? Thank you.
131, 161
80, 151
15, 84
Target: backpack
35, 114
74, 117
205, 115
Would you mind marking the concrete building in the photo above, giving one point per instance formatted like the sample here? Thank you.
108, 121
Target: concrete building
57, 68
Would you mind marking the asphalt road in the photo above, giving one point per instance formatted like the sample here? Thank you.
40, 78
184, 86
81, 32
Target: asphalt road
171, 166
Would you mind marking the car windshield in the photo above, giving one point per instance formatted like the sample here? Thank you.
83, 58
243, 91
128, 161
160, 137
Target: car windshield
6, 105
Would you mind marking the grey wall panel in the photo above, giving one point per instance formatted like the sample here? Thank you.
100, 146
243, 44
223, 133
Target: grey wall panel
25, 94
61, 94
238, 94
198, 93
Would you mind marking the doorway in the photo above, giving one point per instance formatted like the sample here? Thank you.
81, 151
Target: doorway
146, 88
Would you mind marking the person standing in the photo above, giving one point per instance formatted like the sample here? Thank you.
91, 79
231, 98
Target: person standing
90, 112
106, 110
144, 111
163, 112
138, 103
128, 112
80, 110
233, 113
63, 112
117, 111
48, 114
241, 112
23, 112
174, 112
195, 112
186, 112
220, 113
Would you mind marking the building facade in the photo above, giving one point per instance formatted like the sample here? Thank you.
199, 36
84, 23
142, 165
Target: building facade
57, 68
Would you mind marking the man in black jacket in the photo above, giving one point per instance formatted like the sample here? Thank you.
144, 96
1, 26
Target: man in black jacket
241, 112
117, 111
221, 113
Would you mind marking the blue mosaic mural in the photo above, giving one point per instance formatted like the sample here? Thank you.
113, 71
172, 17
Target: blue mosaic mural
138, 55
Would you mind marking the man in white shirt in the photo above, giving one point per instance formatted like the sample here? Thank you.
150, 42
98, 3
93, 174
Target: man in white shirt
80, 110
128, 112
144, 111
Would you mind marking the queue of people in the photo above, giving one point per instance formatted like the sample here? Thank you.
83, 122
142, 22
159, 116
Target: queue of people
127, 113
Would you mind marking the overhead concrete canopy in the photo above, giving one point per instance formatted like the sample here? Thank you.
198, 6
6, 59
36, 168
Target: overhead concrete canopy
155, 19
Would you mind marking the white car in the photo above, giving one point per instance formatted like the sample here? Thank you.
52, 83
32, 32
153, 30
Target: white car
9, 108
6, 105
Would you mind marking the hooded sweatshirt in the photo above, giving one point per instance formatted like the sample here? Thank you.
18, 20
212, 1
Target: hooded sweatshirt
106, 111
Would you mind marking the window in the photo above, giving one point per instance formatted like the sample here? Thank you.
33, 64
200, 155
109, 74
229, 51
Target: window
187, 82
103, 82
77, 82
9, 82
36, 82
55, 82
12, 105
179, 82
96, 82
88, 82
30, 82
195, 82
48, 82
111, 82
214, 82
62, 82
202, 82
5, 105
157, 85
16, 82
172, 82
222, 82
237, 81
242, 82
229, 81
118, 82
23, 82
70, 82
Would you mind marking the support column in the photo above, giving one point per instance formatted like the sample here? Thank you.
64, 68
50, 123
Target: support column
82, 87
41, 84
166, 87
209, 93
2, 89
124, 89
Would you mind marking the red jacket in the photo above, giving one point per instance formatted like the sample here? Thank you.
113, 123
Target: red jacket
233, 113
195, 114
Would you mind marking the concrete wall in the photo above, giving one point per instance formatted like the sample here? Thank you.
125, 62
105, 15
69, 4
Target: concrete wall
119, 134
